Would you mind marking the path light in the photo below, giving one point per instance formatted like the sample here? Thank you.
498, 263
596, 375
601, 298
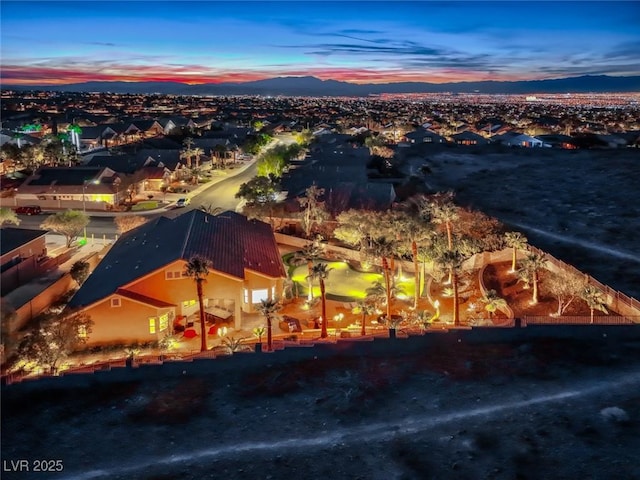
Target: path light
222, 332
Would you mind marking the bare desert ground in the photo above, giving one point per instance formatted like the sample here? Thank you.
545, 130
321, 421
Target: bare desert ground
534, 409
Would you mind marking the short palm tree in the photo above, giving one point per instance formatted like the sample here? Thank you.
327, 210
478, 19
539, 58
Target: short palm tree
321, 272
532, 265
595, 299
493, 302
198, 269
269, 308
310, 253
517, 241
365, 307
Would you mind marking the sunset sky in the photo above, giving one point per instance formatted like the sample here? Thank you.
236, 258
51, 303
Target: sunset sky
362, 42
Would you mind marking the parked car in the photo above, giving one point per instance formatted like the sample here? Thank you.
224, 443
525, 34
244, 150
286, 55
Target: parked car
182, 202
29, 210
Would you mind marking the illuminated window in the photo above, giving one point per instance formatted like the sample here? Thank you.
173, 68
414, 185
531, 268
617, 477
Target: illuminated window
188, 303
152, 324
259, 295
82, 331
163, 322
273, 292
115, 302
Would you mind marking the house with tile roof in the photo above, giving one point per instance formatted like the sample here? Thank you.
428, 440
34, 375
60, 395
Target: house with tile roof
140, 290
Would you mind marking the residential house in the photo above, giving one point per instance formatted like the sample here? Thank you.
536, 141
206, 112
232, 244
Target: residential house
515, 139
86, 188
21, 253
469, 138
422, 135
148, 128
140, 289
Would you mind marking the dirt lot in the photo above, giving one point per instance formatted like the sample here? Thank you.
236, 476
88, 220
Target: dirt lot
518, 410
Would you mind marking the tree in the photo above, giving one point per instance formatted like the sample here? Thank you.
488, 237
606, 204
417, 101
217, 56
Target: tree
69, 223
125, 223
531, 266
314, 213
259, 190
198, 268
365, 307
210, 209
516, 241
383, 248
444, 212
321, 272
273, 162
8, 216
80, 271
565, 287
594, 298
452, 259
304, 137
269, 308
8, 316
55, 339
493, 302
310, 253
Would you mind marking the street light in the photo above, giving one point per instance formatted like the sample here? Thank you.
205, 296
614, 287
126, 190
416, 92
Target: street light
84, 201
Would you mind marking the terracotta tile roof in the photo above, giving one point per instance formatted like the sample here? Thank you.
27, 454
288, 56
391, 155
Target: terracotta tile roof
230, 241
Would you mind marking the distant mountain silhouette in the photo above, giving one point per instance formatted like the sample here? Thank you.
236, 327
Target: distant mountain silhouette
312, 86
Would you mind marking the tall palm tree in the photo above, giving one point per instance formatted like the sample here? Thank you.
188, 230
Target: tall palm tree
311, 252
197, 152
198, 269
269, 308
493, 302
594, 298
532, 264
517, 241
452, 259
75, 131
321, 272
383, 248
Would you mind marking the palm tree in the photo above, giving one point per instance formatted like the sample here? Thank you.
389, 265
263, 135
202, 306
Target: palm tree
321, 272
269, 308
452, 259
445, 212
310, 253
187, 151
517, 241
366, 307
75, 131
594, 298
383, 248
532, 264
493, 302
198, 269
197, 152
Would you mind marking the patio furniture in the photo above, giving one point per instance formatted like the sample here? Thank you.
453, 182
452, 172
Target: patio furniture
190, 333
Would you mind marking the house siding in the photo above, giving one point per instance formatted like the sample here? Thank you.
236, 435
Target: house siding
126, 324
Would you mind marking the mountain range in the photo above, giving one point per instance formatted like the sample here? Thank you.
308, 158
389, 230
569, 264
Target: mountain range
312, 86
